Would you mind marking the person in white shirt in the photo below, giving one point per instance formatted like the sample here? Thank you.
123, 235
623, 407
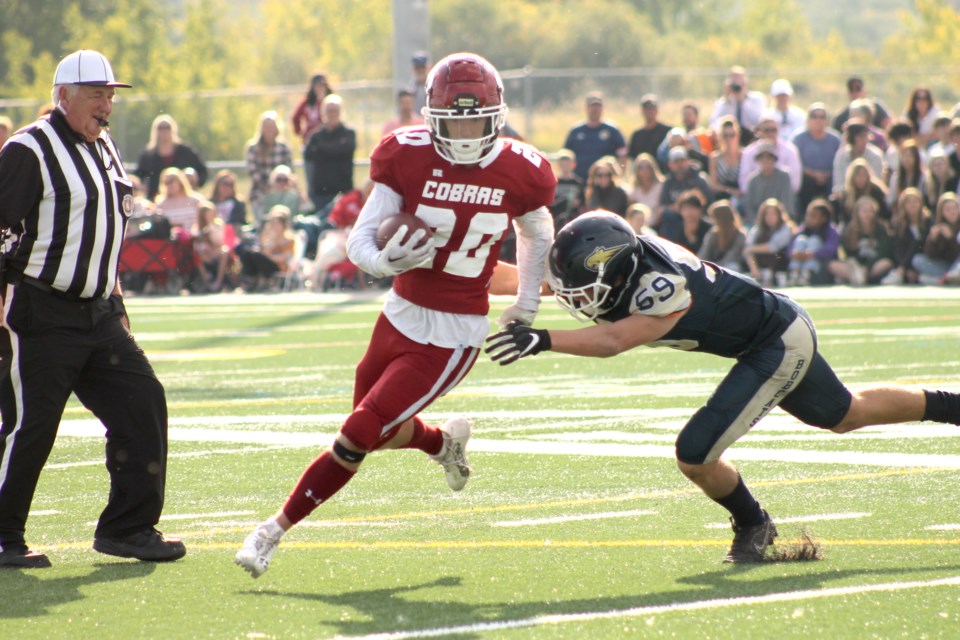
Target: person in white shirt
790, 118
738, 101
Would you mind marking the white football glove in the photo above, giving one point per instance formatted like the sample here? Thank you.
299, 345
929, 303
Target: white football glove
516, 313
398, 256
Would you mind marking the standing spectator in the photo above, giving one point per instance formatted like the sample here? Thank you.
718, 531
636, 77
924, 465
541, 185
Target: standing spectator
265, 152
907, 173
231, 209
815, 245
434, 319
647, 185
406, 113
921, 111
767, 182
569, 196
165, 150
938, 179
595, 138
724, 163
420, 64
788, 158
603, 189
739, 101
911, 225
647, 138
817, 145
862, 110
942, 246
768, 244
860, 182
6, 126
686, 226
789, 117
330, 150
868, 245
942, 138
682, 177
65, 329
726, 239
176, 201
856, 88
857, 147
700, 139
308, 117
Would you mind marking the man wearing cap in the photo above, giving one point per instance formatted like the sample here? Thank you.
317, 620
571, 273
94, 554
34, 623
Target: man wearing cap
788, 158
817, 145
765, 183
647, 138
789, 117
64, 202
682, 177
595, 138
420, 62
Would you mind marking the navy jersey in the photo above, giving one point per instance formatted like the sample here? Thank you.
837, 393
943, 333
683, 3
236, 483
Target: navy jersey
726, 314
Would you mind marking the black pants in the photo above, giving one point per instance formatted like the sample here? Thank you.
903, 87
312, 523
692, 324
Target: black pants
50, 347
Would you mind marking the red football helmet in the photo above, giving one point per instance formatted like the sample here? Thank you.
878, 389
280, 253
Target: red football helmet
463, 86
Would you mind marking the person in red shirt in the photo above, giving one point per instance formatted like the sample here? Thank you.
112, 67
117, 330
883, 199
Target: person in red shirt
469, 185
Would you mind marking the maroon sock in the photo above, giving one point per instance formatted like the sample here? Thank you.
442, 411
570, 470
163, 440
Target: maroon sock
427, 439
322, 479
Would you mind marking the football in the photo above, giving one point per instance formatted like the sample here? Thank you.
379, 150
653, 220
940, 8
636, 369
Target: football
388, 227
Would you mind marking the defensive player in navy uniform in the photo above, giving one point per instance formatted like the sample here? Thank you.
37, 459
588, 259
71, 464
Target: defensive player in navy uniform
649, 291
469, 185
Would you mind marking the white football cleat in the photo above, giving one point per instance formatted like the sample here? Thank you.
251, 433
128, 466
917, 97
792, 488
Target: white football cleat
453, 455
259, 547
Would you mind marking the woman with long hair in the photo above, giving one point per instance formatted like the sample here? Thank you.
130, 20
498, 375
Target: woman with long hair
724, 163
231, 209
907, 173
868, 245
911, 224
647, 184
166, 149
941, 249
726, 239
603, 187
860, 182
921, 111
766, 251
938, 178
265, 152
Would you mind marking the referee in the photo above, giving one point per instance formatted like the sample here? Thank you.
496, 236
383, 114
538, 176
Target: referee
64, 201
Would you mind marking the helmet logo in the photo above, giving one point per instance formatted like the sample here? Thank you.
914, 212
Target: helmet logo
602, 255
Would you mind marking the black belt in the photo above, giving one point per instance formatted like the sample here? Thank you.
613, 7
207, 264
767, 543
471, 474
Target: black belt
14, 277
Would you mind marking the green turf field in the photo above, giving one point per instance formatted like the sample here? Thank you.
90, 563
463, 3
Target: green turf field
575, 524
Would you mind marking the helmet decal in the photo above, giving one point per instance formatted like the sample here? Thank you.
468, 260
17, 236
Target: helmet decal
601, 256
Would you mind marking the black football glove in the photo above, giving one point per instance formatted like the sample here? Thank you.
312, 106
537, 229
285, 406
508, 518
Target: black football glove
517, 341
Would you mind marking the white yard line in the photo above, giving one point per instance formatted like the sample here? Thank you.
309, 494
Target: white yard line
939, 527
697, 605
585, 516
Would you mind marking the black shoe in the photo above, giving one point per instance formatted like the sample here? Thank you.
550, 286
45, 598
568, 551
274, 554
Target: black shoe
750, 543
20, 557
148, 544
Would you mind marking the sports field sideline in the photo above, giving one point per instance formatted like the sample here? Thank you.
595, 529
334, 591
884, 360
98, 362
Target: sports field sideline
576, 523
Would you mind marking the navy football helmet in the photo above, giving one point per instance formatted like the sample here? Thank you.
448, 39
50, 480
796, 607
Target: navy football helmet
593, 259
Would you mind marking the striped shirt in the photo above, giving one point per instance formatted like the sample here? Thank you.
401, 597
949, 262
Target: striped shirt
62, 200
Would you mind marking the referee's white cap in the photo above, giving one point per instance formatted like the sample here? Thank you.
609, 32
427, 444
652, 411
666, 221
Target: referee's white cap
86, 66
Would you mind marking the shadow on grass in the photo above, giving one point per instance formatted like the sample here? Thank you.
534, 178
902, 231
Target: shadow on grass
386, 610
26, 593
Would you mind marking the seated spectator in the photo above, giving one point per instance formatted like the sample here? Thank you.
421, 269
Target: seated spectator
790, 117
726, 239
213, 243
788, 158
856, 146
686, 226
176, 201
677, 137
942, 138
265, 152
921, 111
272, 254
897, 134
938, 179
941, 249
603, 189
230, 208
282, 190
142, 206
332, 268
767, 182
815, 245
868, 246
862, 110
911, 225
724, 162
164, 150
682, 178
637, 216
907, 173
817, 145
406, 113
647, 184
860, 182
768, 242
569, 197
